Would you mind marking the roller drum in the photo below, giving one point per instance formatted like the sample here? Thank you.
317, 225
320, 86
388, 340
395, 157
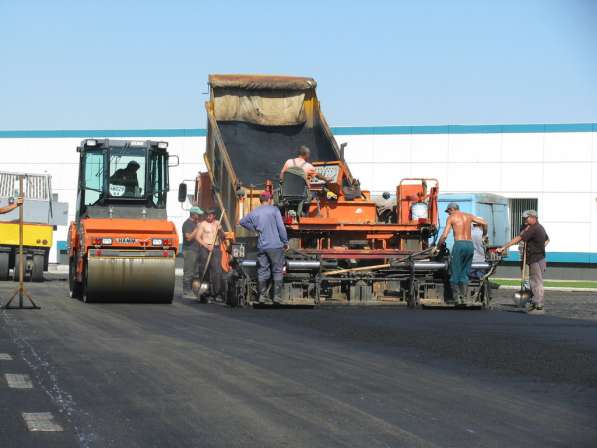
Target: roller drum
130, 279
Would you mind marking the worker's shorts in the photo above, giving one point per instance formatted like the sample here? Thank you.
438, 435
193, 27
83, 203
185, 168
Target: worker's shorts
462, 259
270, 262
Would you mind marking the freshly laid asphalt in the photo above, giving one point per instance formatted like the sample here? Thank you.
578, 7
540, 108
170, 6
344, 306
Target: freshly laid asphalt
193, 375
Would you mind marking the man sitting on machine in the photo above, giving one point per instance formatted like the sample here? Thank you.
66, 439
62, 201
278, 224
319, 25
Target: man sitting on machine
301, 162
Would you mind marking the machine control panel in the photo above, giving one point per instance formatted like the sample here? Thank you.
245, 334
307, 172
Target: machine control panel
328, 171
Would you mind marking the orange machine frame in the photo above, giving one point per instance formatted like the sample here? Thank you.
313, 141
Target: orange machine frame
333, 222
126, 234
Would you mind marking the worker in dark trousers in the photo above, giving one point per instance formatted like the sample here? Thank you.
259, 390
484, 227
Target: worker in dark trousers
535, 239
190, 251
266, 220
463, 250
209, 233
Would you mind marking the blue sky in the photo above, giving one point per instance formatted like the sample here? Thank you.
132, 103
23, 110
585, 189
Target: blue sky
132, 64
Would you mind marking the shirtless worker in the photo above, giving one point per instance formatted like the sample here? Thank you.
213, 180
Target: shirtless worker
302, 161
462, 252
208, 237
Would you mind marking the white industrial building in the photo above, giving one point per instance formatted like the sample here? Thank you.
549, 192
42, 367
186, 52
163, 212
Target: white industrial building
554, 166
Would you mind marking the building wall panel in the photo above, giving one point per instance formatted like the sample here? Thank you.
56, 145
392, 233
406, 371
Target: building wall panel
558, 168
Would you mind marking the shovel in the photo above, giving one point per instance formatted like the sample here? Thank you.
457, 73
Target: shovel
522, 296
199, 286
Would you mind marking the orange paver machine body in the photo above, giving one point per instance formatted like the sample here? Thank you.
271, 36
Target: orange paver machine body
344, 245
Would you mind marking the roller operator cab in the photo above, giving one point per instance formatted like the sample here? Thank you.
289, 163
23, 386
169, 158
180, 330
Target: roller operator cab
121, 245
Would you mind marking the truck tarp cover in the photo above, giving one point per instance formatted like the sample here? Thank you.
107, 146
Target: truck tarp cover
277, 108
260, 99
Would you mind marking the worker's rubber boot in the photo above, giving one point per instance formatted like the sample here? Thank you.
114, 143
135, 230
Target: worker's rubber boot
464, 293
278, 292
262, 284
456, 295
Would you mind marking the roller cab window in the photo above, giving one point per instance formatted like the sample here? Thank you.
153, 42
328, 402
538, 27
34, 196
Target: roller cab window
127, 173
93, 177
158, 178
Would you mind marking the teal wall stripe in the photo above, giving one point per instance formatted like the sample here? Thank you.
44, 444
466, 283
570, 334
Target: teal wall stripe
106, 133
560, 257
349, 130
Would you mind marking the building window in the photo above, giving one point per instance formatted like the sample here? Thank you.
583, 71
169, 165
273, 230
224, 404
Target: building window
517, 208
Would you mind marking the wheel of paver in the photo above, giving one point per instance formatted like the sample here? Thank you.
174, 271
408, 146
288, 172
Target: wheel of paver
75, 288
3, 266
37, 272
232, 297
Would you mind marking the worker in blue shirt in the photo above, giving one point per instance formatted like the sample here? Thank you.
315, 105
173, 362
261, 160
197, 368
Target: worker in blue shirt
266, 220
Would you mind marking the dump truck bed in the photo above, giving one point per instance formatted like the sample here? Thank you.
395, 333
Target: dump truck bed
255, 123
259, 152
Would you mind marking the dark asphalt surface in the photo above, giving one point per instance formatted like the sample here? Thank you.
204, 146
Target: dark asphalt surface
192, 375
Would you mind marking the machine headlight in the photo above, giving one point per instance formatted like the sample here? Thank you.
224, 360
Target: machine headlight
157, 242
163, 145
106, 241
91, 142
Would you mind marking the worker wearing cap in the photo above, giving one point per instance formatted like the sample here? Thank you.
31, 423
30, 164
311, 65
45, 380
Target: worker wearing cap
127, 177
208, 237
266, 220
463, 250
302, 161
190, 251
535, 239
11, 207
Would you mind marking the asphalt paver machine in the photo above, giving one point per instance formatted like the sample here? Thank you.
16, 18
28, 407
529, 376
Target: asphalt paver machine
342, 248
121, 245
